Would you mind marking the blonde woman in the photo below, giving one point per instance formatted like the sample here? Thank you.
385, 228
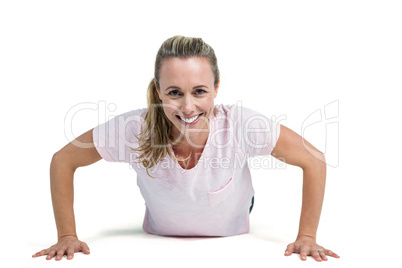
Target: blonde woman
189, 155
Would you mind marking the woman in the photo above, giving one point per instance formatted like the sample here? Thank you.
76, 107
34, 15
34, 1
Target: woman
189, 157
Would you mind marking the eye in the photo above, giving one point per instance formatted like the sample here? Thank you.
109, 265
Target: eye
173, 93
200, 90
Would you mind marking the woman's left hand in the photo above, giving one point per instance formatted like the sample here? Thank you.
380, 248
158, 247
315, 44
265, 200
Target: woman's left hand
306, 246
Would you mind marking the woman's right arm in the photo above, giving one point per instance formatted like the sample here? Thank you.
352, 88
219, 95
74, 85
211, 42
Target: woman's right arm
62, 169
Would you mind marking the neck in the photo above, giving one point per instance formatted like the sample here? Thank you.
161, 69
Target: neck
192, 139
193, 142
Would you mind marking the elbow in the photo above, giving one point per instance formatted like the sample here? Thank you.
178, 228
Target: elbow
321, 158
315, 161
56, 157
61, 159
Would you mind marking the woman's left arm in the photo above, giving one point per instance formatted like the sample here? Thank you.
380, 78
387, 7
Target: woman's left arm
292, 149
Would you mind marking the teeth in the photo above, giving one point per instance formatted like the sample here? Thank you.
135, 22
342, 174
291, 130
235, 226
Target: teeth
191, 120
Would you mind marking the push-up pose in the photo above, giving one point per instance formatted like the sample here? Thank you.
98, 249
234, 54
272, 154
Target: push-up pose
189, 155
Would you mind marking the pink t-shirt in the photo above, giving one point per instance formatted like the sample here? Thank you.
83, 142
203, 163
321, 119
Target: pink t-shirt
211, 199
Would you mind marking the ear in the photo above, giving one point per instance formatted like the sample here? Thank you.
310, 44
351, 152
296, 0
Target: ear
217, 88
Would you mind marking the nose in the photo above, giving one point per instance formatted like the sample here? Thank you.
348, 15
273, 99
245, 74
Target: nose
188, 105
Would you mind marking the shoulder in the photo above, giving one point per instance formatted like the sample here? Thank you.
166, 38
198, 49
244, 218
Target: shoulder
131, 118
235, 111
130, 121
137, 113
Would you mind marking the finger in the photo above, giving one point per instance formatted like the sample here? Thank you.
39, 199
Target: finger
85, 248
316, 255
60, 254
40, 253
50, 254
70, 253
331, 253
303, 253
323, 256
289, 249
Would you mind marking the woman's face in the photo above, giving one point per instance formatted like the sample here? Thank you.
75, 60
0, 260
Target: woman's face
187, 92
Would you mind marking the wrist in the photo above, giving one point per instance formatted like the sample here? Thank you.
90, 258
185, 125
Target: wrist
65, 235
306, 236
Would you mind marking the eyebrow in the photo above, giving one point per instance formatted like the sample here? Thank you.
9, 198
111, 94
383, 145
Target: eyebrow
175, 87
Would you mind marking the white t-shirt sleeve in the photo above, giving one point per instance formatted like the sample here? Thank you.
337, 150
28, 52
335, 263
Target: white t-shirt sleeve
114, 138
257, 133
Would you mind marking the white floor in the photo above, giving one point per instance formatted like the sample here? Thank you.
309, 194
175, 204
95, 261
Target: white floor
109, 220
128, 248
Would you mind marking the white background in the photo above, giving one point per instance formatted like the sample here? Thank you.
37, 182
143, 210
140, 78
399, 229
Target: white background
277, 57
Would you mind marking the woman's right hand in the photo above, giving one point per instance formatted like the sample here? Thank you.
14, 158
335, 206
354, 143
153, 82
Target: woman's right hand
66, 245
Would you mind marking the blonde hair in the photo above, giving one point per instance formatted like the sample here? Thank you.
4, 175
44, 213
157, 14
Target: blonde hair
155, 138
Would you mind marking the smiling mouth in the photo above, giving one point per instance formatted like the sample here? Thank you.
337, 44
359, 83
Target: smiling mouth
189, 121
